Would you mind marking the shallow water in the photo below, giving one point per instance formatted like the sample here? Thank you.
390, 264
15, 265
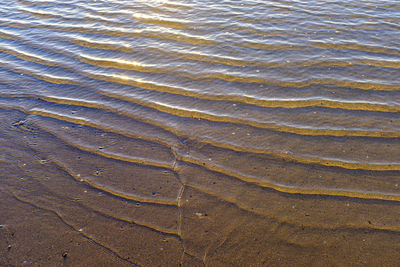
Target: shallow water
226, 133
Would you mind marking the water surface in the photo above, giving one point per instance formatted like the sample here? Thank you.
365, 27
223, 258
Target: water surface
218, 133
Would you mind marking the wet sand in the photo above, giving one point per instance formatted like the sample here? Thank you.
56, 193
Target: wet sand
162, 133
75, 206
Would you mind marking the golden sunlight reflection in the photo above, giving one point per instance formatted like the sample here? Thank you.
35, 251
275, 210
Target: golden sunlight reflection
122, 77
118, 60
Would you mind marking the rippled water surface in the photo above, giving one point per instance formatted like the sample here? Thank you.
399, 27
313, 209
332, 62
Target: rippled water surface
192, 133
